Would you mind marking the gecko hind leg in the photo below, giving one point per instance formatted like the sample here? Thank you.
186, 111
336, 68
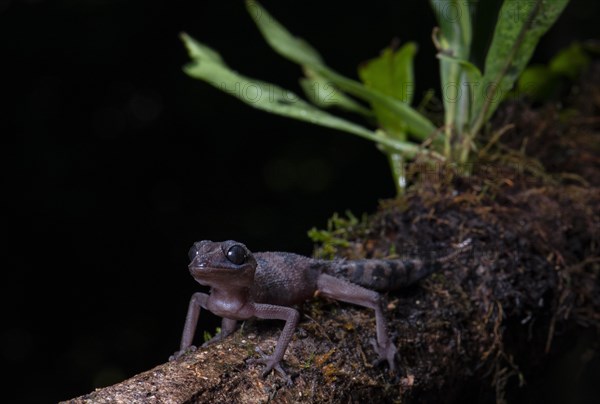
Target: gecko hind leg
342, 290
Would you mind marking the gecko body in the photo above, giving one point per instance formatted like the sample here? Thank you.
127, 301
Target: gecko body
268, 284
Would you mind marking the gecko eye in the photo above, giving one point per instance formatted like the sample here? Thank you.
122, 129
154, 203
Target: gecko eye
192, 253
236, 254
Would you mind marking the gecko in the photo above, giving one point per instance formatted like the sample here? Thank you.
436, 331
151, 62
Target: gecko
268, 285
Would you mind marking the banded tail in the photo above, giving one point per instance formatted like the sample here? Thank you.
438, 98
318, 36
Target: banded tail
385, 275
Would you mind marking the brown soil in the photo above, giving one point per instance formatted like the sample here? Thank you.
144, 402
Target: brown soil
527, 292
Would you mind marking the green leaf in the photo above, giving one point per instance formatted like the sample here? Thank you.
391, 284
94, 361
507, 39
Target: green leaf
541, 82
280, 39
210, 67
325, 94
537, 82
571, 61
418, 125
454, 44
196, 50
391, 74
519, 28
299, 51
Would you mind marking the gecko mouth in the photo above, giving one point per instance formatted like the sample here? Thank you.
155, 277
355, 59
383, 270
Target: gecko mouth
198, 266
204, 267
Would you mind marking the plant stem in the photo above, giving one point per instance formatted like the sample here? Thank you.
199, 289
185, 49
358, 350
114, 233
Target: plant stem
398, 171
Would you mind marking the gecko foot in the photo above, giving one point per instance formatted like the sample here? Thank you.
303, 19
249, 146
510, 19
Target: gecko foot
271, 364
179, 354
386, 353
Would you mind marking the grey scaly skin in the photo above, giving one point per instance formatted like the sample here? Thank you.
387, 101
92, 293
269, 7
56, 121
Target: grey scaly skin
267, 285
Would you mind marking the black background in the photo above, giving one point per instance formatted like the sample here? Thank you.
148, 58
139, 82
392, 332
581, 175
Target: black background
118, 162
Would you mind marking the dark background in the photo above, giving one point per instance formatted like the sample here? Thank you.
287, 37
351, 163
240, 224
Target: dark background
118, 162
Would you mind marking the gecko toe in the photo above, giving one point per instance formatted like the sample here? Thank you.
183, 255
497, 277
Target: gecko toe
182, 352
386, 353
270, 364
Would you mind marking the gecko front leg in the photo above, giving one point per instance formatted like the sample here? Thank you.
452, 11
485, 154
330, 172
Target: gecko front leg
340, 289
291, 317
197, 302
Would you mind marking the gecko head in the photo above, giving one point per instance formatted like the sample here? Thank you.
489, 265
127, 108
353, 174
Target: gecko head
227, 263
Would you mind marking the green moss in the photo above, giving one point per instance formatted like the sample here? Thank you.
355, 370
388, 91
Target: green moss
336, 236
